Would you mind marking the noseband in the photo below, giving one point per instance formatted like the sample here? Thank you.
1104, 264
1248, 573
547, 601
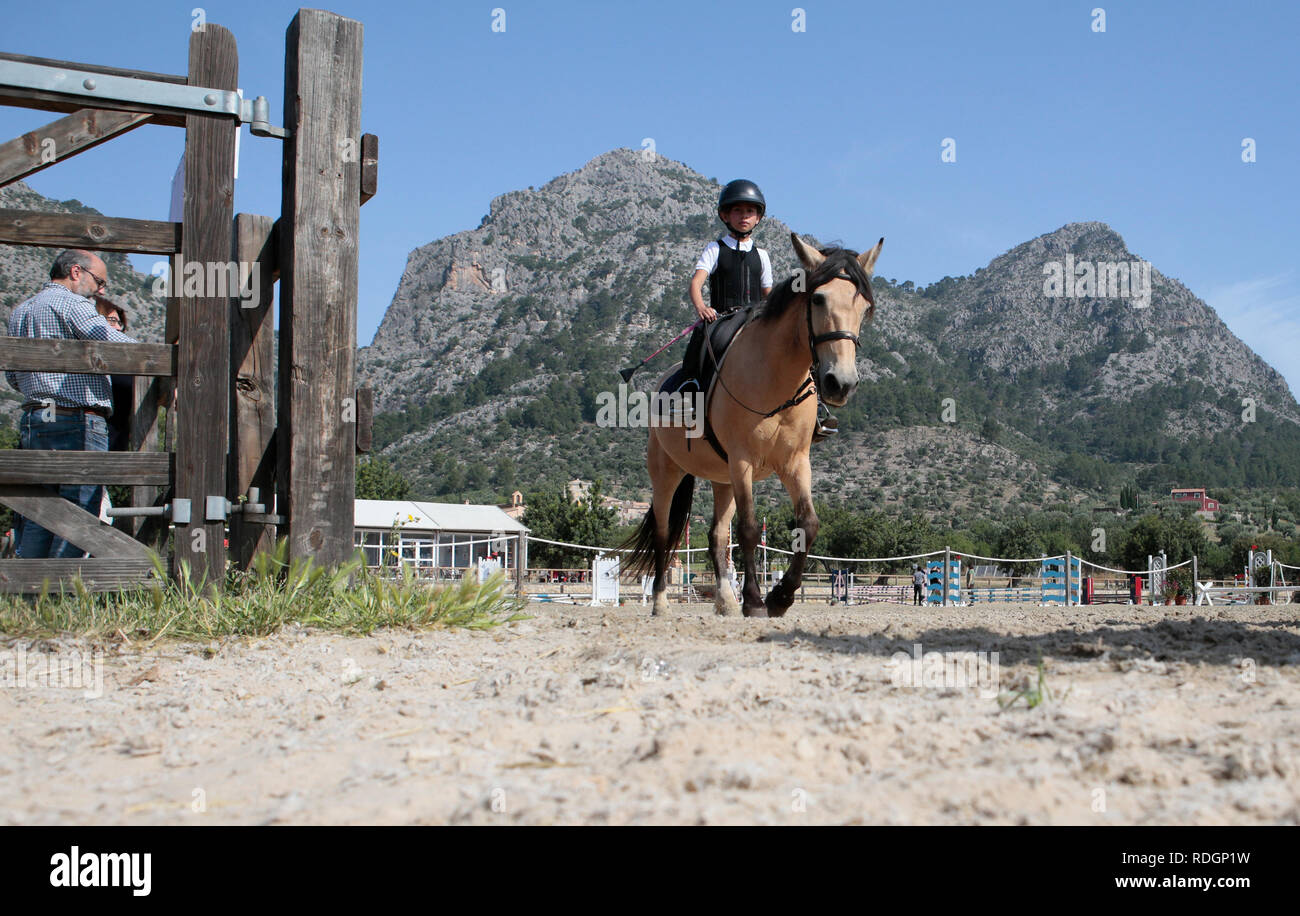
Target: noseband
814, 341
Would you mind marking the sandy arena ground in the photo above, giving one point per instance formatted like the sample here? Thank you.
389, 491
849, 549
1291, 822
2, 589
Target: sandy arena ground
1167, 715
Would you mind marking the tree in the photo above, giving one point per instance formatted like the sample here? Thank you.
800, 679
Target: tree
377, 479
1179, 536
504, 475
1018, 540
558, 518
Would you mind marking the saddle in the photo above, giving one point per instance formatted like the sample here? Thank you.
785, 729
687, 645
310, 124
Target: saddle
703, 376
719, 336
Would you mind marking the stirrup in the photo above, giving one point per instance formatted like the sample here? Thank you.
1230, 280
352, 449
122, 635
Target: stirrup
827, 426
685, 411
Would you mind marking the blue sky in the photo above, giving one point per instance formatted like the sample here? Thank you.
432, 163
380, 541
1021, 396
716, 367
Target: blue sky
1139, 126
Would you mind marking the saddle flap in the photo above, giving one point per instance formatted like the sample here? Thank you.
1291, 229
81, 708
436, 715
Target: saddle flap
721, 334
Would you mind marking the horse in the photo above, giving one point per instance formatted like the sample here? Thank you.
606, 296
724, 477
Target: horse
804, 336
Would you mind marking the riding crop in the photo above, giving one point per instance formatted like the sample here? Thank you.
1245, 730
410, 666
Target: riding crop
628, 373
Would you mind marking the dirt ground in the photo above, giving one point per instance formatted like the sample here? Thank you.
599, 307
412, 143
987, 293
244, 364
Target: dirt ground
1167, 715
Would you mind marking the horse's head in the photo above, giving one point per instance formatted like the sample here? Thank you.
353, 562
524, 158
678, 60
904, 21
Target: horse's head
839, 297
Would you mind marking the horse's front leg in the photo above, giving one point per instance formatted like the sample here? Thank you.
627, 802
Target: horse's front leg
724, 506
799, 485
665, 477
742, 484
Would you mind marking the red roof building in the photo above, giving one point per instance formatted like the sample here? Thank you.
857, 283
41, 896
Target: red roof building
1194, 495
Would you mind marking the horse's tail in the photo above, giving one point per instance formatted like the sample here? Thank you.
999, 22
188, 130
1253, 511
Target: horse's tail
642, 542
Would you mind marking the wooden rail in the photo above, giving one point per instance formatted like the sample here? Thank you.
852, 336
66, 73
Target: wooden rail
97, 575
81, 230
92, 357
34, 466
82, 130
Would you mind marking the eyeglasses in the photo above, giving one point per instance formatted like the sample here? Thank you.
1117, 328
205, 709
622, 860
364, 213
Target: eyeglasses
113, 319
101, 283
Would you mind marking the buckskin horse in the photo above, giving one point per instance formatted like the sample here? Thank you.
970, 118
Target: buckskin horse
761, 416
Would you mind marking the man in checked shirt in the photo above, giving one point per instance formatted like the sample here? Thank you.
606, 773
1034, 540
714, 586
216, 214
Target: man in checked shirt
64, 410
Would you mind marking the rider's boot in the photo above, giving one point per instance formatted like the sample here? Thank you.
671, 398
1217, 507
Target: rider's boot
827, 425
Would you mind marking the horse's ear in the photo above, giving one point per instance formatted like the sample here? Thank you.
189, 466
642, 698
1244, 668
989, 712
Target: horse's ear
867, 260
809, 255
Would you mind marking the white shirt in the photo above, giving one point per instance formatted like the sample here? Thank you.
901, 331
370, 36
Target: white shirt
708, 261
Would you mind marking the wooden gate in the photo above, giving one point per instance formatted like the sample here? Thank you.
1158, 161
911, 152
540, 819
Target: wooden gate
230, 448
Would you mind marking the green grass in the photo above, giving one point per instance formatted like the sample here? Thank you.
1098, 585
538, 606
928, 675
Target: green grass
273, 593
1034, 695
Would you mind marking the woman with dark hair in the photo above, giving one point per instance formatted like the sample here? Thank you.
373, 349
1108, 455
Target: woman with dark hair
119, 424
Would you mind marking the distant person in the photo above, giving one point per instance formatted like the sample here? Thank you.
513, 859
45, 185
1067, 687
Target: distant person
68, 411
918, 585
119, 424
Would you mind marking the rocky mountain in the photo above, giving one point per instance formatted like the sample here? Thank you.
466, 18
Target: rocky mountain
23, 270
1062, 386
1016, 385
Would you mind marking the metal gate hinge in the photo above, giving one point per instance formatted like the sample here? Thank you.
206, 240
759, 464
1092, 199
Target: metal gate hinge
85, 84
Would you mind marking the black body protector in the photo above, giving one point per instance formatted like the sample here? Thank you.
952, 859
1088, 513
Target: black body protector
736, 281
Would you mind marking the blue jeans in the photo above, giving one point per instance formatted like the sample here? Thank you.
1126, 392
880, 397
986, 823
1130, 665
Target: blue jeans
86, 433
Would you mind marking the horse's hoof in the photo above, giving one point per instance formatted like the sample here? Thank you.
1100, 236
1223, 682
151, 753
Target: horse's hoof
776, 607
755, 610
727, 610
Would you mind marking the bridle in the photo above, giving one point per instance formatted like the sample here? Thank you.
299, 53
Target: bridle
804, 391
815, 341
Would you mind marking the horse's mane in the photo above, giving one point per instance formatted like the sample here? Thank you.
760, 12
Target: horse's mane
838, 261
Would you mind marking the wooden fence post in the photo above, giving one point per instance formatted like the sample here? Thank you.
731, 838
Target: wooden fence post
203, 326
252, 396
319, 224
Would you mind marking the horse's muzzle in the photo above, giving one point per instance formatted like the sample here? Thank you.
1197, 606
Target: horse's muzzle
837, 387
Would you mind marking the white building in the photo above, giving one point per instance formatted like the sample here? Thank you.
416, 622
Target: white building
439, 539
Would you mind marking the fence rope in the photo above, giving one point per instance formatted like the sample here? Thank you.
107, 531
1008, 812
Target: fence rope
910, 556
1133, 572
815, 556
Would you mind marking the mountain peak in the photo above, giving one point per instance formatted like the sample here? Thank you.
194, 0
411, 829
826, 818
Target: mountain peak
1090, 240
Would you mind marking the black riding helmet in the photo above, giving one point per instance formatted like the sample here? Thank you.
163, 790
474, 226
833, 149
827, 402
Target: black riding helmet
741, 191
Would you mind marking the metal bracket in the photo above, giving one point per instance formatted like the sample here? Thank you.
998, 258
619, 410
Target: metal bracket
216, 509
252, 506
84, 84
254, 510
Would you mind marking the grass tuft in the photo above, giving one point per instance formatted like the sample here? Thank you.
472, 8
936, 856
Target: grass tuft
1033, 695
270, 595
